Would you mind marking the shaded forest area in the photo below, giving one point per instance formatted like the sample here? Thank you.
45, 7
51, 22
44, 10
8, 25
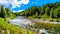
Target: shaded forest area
6, 12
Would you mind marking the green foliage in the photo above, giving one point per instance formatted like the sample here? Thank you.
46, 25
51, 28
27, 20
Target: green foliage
47, 26
46, 11
13, 29
6, 12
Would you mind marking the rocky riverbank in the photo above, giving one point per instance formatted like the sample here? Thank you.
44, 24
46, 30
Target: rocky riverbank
43, 21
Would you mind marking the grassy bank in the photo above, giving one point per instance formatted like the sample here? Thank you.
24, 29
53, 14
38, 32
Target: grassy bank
47, 26
12, 28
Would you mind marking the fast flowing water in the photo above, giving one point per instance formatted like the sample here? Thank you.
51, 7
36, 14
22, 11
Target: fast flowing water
20, 21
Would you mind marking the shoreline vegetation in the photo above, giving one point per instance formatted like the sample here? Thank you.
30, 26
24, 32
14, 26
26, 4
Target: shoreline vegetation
12, 29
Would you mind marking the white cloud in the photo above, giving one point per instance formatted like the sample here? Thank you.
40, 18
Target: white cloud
13, 3
17, 11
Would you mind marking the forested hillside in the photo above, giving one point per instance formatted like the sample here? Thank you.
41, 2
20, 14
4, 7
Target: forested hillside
6, 28
47, 11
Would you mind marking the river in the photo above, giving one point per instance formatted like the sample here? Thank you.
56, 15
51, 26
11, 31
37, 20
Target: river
20, 21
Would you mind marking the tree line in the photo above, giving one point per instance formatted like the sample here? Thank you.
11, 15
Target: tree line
47, 11
5, 12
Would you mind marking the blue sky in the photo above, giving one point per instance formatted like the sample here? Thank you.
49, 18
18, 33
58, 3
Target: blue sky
20, 5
